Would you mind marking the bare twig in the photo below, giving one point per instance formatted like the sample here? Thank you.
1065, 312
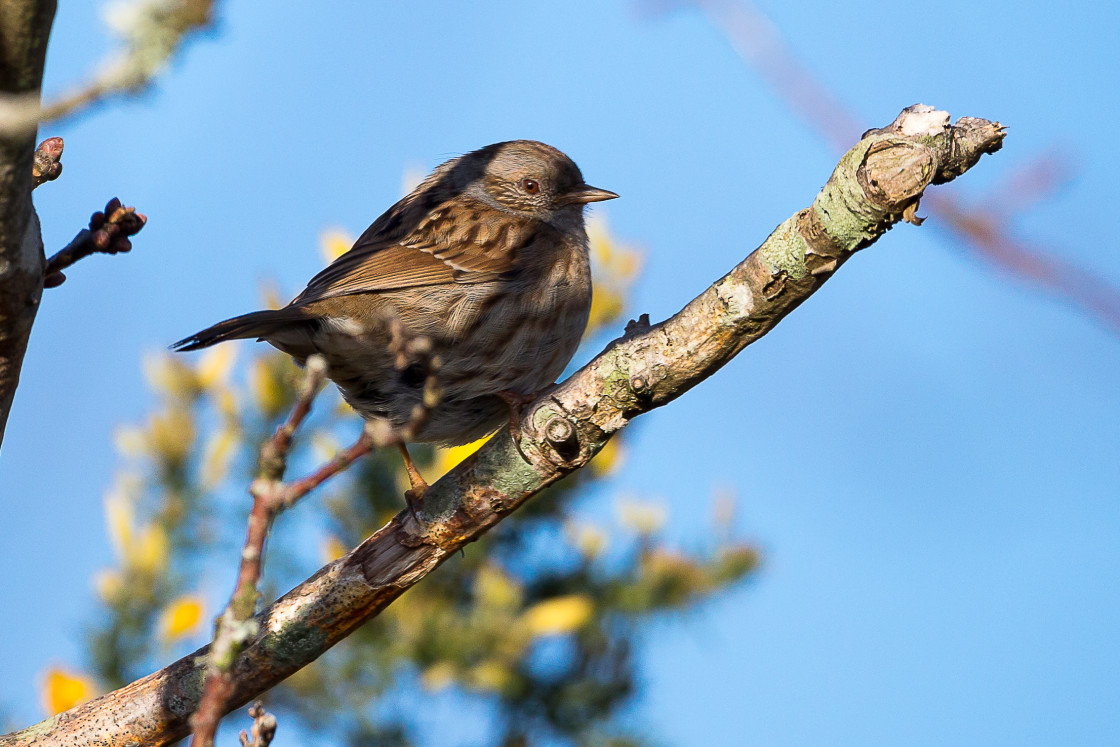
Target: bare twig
264, 727
108, 233
236, 626
292, 492
759, 42
153, 31
874, 184
47, 165
271, 496
1028, 261
1023, 188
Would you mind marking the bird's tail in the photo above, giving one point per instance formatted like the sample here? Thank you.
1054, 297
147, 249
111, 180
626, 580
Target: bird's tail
259, 324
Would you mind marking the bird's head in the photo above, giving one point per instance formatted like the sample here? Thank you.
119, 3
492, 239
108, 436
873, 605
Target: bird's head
532, 179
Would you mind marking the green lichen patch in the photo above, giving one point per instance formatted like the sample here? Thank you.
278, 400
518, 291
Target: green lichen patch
784, 250
293, 646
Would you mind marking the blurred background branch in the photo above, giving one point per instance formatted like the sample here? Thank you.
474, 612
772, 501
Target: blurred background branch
151, 33
984, 229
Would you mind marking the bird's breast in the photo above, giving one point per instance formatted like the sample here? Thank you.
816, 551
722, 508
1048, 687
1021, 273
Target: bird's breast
529, 330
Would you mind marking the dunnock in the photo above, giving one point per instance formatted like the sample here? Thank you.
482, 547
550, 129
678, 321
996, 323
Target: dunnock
486, 260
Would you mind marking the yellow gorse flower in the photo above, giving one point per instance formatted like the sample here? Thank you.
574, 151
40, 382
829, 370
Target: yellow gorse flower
270, 296
130, 441
589, 539
614, 266
267, 387
490, 675
621, 260
171, 434
214, 365
496, 590
181, 618
120, 518
141, 548
606, 306
438, 676
559, 615
609, 458
149, 553
333, 243
642, 517
332, 549
217, 455
109, 585
62, 690
168, 375
447, 459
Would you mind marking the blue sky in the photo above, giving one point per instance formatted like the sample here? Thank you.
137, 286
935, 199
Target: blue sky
926, 451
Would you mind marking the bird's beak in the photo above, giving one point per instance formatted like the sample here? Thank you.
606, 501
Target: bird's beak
585, 193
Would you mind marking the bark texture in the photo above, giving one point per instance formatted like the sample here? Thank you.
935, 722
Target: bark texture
24, 28
876, 184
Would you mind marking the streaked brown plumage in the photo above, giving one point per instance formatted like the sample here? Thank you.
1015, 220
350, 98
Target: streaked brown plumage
487, 258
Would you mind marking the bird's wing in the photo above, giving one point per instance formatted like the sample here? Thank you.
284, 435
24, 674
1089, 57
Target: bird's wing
448, 245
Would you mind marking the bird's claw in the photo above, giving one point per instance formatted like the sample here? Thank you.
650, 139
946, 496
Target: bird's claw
413, 498
515, 402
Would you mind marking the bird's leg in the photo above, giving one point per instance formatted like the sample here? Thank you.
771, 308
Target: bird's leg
419, 486
515, 402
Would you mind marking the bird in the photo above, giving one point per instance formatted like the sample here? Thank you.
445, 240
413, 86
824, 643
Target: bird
485, 262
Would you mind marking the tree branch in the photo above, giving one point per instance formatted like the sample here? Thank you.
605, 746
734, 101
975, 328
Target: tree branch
24, 28
875, 184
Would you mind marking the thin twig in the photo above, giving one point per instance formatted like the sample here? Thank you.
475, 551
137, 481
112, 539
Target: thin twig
235, 626
759, 42
1020, 190
298, 489
1025, 260
108, 233
264, 727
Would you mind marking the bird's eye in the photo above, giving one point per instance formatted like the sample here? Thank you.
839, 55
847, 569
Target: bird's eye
530, 186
